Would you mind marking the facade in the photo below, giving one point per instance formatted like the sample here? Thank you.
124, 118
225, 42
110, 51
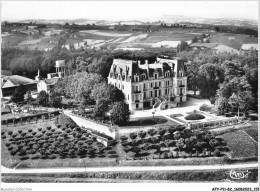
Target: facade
10, 83
46, 85
145, 85
52, 78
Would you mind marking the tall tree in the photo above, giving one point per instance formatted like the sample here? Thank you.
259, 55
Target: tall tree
18, 94
120, 113
210, 76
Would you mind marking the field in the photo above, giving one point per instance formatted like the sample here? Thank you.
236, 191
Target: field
43, 144
253, 132
232, 40
13, 40
240, 144
125, 39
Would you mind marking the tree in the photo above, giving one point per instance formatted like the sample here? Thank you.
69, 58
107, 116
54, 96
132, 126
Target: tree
182, 46
120, 113
108, 91
242, 101
18, 94
28, 96
101, 108
55, 99
210, 76
193, 76
43, 98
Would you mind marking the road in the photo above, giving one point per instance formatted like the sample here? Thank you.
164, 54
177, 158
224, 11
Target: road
131, 169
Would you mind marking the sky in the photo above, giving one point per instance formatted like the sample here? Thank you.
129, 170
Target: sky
120, 10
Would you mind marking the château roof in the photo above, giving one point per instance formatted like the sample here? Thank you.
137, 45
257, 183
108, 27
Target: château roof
128, 69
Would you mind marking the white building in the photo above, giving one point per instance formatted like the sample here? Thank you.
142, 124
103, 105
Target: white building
52, 78
163, 82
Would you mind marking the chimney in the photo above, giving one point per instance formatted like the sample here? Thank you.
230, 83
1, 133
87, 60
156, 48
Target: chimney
139, 63
146, 61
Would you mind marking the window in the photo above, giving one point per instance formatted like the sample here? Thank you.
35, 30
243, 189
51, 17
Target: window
155, 75
143, 76
159, 84
144, 95
167, 74
159, 92
123, 86
144, 86
165, 91
155, 84
151, 93
155, 93
151, 85
136, 88
136, 79
119, 85
128, 97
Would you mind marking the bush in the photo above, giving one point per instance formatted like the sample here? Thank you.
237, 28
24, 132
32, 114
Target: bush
194, 117
39, 129
3, 136
58, 126
205, 107
24, 158
123, 138
10, 132
30, 130
48, 128
216, 153
212, 100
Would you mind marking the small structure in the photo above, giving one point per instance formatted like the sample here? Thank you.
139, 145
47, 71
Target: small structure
46, 85
52, 78
10, 83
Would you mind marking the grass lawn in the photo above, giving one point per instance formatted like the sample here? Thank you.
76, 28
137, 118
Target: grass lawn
159, 121
241, 144
136, 177
253, 132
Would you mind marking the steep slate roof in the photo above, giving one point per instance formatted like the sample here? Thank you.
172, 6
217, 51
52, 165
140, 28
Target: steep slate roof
129, 68
15, 80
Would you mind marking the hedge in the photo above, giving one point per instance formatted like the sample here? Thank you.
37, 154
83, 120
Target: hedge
194, 117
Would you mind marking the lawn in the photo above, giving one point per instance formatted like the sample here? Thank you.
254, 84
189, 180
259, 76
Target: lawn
253, 132
45, 145
125, 177
240, 144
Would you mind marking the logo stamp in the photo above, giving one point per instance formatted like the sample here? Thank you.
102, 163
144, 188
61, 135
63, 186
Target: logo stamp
238, 174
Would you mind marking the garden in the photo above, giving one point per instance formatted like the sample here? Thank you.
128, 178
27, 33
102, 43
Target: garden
65, 141
240, 144
173, 142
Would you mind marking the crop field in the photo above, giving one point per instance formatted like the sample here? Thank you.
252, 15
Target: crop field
168, 143
232, 40
240, 144
44, 144
107, 33
253, 132
13, 40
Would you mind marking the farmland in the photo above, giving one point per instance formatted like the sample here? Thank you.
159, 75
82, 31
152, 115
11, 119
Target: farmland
43, 144
127, 39
232, 40
240, 144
